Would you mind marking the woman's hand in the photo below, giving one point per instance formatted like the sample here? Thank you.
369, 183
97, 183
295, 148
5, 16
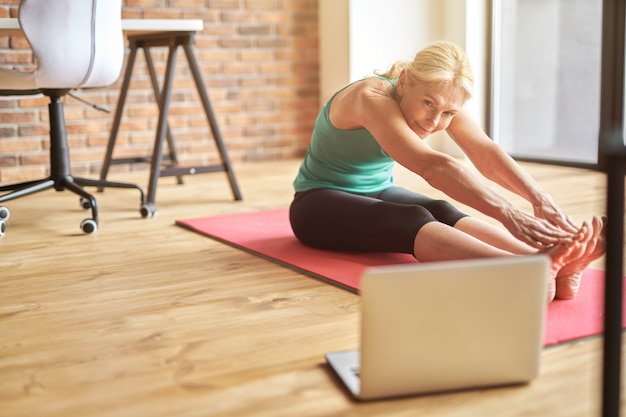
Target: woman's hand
537, 232
548, 210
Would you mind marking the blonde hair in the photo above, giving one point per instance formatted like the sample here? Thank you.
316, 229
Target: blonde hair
441, 61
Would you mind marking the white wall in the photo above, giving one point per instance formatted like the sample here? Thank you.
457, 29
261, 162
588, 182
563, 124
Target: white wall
382, 33
334, 38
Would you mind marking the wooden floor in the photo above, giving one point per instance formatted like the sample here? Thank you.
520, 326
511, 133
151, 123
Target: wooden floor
144, 318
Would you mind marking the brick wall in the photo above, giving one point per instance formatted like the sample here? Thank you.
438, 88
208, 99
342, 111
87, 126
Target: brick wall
259, 60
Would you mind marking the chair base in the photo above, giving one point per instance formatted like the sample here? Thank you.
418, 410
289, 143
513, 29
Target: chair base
60, 177
75, 185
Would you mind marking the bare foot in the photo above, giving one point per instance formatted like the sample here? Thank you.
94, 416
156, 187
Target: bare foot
589, 247
559, 254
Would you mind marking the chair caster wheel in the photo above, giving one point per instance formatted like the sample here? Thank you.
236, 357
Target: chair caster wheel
3, 227
89, 226
85, 203
4, 213
147, 210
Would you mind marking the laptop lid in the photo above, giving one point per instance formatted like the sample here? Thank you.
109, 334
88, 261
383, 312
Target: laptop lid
447, 326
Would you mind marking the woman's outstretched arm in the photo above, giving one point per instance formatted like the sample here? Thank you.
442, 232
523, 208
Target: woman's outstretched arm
496, 165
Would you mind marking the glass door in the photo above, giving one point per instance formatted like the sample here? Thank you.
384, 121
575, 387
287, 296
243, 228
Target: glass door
545, 91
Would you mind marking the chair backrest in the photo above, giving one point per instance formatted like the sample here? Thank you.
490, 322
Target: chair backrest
76, 43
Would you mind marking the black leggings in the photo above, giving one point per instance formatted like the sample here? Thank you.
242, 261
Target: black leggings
384, 222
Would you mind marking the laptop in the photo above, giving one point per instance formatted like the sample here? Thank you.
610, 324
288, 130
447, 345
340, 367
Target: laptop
447, 326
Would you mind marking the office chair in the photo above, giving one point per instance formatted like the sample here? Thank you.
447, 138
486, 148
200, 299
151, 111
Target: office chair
76, 44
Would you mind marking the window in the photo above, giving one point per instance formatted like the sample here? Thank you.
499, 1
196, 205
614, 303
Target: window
545, 103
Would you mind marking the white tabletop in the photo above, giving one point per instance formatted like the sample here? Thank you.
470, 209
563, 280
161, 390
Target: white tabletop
133, 25
162, 25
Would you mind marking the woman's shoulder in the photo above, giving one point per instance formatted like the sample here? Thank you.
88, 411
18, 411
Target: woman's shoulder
366, 88
376, 85
359, 101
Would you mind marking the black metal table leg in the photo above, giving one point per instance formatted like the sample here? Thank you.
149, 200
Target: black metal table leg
164, 106
212, 121
108, 157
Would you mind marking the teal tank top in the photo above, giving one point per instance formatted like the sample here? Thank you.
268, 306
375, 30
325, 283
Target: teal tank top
348, 160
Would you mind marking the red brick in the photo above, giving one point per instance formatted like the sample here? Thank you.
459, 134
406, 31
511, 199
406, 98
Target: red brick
144, 3
273, 17
39, 129
237, 16
255, 30
8, 161
299, 5
16, 57
261, 4
223, 4
19, 145
186, 4
18, 117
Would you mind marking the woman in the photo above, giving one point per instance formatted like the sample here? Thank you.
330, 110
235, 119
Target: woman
346, 198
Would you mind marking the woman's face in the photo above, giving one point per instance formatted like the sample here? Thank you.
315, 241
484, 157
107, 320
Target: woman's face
428, 107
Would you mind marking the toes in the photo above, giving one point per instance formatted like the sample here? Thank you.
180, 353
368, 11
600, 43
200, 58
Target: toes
596, 245
587, 231
602, 220
560, 253
588, 246
599, 232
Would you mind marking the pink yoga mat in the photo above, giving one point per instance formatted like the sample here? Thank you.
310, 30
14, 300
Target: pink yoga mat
268, 234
